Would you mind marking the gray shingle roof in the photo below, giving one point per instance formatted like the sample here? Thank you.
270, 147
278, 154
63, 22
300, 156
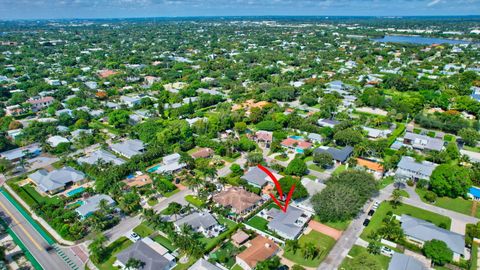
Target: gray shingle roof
20, 152
404, 262
285, 223
101, 154
424, 142
140, 250
426, 231
128, 148
47, 181
338, 154
408, 167
256, 176
91, 204
197, 220
203, 264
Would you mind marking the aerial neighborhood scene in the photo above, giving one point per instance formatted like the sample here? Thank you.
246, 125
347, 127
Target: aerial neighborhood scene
230, 135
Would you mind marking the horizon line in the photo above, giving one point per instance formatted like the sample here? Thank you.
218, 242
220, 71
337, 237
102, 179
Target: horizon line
237, 16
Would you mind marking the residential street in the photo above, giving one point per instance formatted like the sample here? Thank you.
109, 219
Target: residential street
127, 224
34, 242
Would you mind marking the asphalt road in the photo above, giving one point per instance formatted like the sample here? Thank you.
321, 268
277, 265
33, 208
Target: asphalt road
34, 242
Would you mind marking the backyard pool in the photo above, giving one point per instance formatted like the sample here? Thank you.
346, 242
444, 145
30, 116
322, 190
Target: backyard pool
474, 192
299, 150
296, 137
154, 168
75, 191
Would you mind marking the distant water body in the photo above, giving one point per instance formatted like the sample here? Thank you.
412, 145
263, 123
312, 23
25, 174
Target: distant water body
419, 40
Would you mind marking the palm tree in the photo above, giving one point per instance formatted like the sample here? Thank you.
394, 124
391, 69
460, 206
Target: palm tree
148, 215
194, 182
210, 172
396, 198
310, 250
133, 263
292, 245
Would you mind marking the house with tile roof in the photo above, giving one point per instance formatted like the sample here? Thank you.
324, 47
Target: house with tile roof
240, 201
260, 249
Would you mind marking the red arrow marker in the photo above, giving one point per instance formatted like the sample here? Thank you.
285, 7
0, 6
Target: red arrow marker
279, 189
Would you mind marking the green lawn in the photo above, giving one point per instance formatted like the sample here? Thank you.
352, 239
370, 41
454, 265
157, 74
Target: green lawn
404, 193
376, 220
459, 204
29, 195
397, 132
259, 223
307, 159
474, 256
315, 167
339, 225
164, 242
113, 249
143, 230
473, 149
225, 255
195, 201
385, 182
339, 169
236, 267
323, 242
361, 251
279, 157
171, 193
229, 159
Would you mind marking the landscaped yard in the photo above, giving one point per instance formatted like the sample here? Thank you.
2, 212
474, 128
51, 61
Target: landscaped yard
385, 182
113, 249
195, 201
361, 251
225, 255
29, 194
404, 193
143, 230
164, 242
339, 225
474, 256
459, 204
231, 226
323, 242
258, 223
339, 169
385, 207
281, 158
315, 167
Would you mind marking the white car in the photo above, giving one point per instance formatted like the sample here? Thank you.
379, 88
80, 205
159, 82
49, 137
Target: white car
386, 251
134, 237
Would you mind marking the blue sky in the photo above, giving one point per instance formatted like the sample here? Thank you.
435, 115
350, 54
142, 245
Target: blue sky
41, 9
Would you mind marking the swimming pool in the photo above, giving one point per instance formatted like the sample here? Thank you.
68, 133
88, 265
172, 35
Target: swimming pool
75, 191
475, 192
154, 168
296, 137
299, 150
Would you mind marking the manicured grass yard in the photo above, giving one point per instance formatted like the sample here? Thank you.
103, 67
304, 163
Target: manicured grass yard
279, 157
459, 204
171, 193
361, 251
339, 169
404, 193
321, 241
236, 267
474, 256
339, 225
225, 254
143, 230
258, 223
315, 167
385, 207
385, 182
114, 248
164, 242
195, 201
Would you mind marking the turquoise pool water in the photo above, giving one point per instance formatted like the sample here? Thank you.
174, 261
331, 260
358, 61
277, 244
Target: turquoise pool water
300, 151
296, 137
475, 191
75, 191
75, 204
154, 168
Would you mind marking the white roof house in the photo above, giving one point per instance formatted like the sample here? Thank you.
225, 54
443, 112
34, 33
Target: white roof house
54, 141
